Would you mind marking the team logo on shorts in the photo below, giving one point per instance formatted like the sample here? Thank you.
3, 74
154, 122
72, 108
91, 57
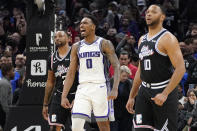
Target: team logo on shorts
139, 118
53, 118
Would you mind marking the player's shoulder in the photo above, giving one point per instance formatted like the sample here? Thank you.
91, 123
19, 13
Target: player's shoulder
168, 37
76, 45
141, 39
105, 41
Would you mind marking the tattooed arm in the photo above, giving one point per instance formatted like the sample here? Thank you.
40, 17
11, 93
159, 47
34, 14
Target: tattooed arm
108, 49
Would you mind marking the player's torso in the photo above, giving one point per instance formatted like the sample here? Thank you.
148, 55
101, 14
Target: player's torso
155, 66
60, 66
91, 62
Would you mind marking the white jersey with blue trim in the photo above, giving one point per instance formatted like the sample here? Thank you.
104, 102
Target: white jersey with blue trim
91, 62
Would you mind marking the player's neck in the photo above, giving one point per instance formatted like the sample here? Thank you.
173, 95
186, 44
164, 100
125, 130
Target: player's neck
152, 30
90, 39
63, 50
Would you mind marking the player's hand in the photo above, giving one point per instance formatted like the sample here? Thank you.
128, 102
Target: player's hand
113, 94
45, 112
65, 103
130, 104
159, 99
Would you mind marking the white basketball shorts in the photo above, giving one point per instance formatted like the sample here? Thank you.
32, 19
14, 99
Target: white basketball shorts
91, 97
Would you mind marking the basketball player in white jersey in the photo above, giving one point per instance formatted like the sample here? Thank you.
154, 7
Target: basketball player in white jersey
92, 94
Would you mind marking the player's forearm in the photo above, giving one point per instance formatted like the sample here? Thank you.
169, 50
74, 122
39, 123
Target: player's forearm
116, 76
48, 91
136, 84
175, 79
68, 83
120, 45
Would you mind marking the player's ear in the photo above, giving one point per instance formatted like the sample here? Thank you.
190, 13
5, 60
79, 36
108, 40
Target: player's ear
163, 16
93, 27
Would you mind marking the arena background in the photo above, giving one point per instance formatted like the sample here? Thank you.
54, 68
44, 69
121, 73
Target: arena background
26, 115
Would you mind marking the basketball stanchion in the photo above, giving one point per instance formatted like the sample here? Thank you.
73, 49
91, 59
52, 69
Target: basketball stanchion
27, 115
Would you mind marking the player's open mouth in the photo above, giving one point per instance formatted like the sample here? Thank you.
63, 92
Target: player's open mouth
148, 19
82, 31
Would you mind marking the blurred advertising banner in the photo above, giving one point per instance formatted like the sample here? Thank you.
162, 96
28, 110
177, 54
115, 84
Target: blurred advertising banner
27, 115
26, 118
39, 45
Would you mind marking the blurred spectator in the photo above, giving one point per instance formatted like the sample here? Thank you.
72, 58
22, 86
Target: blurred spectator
3, 59
5, 88
182, 99
127, 44
123, 6
8, 60
192, 30
128, 25
20, 64
191, 106
182, 120
124, 59
141, 4
191, 96
111, 33
123, 119
17, 92
77, 38
171, 20
113, 16
119, 37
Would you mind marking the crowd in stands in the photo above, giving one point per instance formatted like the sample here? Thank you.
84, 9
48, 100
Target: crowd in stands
123, 23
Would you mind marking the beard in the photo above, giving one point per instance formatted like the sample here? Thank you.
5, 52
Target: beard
153, 23
60, 45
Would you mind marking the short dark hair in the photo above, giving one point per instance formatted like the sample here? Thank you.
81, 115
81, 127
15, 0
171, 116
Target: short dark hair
163, 10
5, 68
124, 52
93, 19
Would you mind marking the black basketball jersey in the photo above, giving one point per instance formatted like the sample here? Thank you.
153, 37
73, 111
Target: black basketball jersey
155, 66
60, 68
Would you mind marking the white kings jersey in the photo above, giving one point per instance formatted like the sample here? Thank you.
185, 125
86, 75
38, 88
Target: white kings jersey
92, 67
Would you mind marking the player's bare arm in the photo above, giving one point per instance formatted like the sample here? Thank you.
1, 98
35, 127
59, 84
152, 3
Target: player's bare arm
135, 87
70, 76
170, 46
48, 90
173, 50
108, 49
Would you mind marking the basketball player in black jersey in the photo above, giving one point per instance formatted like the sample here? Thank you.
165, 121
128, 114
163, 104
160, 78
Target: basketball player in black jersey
58, 65
160, 70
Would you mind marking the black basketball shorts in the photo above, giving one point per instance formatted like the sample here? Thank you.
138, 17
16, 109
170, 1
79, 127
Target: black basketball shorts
149, 116
59, 116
